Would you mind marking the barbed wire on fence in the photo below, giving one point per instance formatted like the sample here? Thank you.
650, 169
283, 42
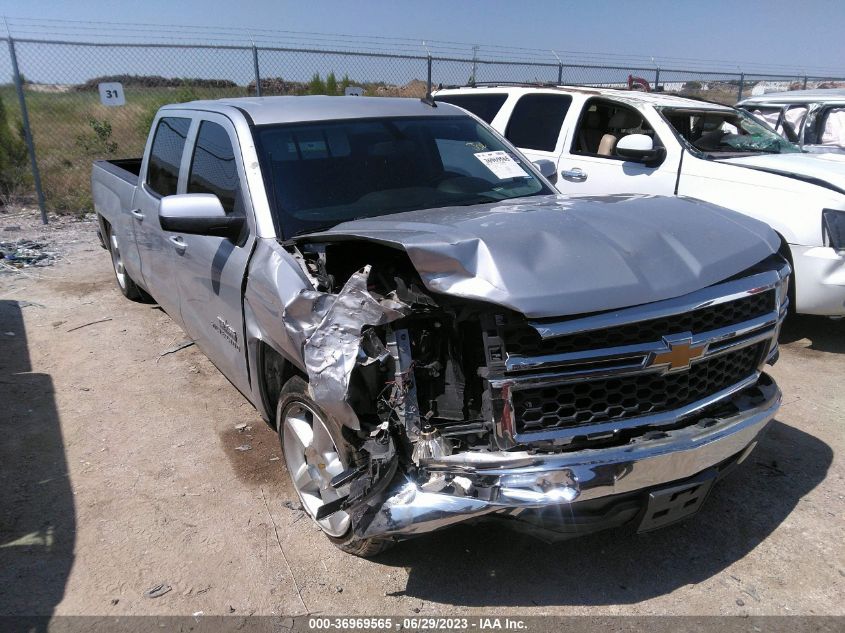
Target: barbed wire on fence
52, 28
69, 127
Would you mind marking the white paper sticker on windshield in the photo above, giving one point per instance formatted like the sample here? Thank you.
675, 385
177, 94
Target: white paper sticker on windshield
501, 164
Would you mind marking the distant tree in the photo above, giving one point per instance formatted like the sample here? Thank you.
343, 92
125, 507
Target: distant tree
345, 83
331, 84
316, 85
692, 85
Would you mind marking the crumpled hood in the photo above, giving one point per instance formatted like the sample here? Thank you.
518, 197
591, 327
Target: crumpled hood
561, 255
826, 168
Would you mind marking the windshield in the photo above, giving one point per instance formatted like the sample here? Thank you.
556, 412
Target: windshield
322, 174
726, 132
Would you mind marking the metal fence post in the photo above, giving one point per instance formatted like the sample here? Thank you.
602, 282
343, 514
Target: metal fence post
560, 74
428, 79
27, 132
741, 86
656, 78
257, 74
805, 82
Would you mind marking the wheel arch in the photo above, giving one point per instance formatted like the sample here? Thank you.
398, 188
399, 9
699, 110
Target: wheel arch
274, 371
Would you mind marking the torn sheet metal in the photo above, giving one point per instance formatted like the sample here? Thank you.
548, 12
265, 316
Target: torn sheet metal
332, 327
556, 255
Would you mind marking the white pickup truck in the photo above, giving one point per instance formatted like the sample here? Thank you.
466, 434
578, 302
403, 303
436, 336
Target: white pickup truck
604, 141
436, 334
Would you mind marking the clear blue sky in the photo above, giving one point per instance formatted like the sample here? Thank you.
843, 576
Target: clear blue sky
807, 34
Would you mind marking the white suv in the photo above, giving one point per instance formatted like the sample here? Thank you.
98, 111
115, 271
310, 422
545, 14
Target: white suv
602, 141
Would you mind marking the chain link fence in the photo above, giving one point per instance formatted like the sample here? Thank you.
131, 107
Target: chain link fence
70, 127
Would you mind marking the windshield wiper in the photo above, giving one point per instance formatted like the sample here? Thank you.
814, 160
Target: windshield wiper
316, 229
481, 199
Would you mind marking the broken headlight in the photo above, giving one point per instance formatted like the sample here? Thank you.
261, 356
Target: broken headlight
833, 228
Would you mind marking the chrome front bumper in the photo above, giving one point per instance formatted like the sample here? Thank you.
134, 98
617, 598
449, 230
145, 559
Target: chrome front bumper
471, 485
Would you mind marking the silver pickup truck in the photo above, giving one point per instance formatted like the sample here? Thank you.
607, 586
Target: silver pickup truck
436, 335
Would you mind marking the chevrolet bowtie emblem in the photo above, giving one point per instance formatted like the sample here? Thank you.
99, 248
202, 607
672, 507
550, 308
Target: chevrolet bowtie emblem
680, 354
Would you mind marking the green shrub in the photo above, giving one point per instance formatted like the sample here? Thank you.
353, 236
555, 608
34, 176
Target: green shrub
316, 85
99, 141
14, 172
331, 84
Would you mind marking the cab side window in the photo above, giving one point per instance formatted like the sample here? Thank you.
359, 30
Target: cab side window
536, 121
601, 126
166, 155
214, 168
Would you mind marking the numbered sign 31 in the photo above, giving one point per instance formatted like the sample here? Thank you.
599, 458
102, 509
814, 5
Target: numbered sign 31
111, 94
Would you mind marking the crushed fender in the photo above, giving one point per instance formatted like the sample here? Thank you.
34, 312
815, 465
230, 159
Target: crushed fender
332, 326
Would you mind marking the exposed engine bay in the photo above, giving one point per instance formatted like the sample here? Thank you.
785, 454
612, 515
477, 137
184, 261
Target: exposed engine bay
433, 407
416, 386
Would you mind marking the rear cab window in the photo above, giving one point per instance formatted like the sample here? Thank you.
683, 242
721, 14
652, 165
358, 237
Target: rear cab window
485, 106
166, 155
536, 121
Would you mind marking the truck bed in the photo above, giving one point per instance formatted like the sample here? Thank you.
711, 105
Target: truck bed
126, 168
113, 184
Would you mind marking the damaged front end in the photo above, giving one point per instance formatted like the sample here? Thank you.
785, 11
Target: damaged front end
457, 409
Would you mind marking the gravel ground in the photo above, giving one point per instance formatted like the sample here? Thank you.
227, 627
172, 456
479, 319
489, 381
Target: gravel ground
119, 472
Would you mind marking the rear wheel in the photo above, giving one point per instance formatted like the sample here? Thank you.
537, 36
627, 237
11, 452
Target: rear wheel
127, 286
315, 452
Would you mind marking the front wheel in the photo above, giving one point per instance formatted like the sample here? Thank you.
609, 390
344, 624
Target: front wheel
315, 452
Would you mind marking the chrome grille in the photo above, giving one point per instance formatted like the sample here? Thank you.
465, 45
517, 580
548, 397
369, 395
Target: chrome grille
523, 340
596, 377
591, 402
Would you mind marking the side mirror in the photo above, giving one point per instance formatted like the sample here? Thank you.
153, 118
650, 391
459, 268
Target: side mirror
198, 214
640, 148
545, 167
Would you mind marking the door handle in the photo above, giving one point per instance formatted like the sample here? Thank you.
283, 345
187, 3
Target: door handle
178, 243
136, 213
576, 173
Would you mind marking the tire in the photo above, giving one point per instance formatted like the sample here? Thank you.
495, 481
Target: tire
314, 451
127, 286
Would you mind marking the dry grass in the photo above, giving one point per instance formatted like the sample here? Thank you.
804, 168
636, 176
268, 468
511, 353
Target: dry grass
66, 141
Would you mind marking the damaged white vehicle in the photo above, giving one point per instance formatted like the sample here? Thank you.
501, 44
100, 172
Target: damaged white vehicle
439, 337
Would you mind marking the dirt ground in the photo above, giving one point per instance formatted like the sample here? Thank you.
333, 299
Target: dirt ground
120, 471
